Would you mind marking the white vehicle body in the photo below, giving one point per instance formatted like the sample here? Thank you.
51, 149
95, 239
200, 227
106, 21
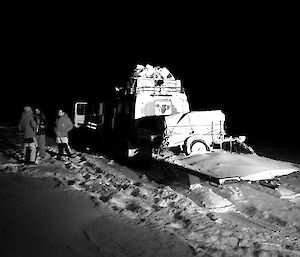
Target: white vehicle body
151, 118
207, 126
79, 113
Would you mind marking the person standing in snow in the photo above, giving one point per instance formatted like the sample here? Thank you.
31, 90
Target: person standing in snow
27, 125
41, 123
63, 125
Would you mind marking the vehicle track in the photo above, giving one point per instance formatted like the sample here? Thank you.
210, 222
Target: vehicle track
257, 206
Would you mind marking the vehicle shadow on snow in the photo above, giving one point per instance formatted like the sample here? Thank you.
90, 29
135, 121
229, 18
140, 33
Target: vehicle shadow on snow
152, 169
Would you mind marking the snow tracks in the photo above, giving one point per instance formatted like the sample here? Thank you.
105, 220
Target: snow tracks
224, 221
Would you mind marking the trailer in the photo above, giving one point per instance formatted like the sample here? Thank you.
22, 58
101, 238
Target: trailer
197, 144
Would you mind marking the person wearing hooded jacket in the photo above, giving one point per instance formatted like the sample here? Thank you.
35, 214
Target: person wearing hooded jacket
63, 125
27, 125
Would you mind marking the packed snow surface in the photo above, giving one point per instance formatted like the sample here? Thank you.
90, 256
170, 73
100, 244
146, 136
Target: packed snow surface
123, 212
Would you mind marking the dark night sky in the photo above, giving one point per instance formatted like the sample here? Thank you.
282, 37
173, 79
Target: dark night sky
244, 66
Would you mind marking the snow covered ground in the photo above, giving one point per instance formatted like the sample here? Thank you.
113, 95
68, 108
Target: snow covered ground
139, 211
40, 218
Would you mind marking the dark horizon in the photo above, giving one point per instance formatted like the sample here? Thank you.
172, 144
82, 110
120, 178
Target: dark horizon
251, 105
250, 73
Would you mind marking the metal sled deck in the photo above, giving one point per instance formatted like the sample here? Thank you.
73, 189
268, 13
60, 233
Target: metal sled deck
221, 167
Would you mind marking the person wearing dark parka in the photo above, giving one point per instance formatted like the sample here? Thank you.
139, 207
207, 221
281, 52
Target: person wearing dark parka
27, 125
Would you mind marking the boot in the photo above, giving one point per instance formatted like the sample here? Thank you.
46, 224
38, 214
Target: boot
27, 155
67, 149
60, 150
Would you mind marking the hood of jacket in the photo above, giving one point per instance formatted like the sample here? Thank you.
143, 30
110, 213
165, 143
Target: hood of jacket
26, 115
27, 124
63, 117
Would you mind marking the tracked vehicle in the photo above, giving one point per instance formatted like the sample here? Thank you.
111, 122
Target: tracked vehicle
150, 118
152, 113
